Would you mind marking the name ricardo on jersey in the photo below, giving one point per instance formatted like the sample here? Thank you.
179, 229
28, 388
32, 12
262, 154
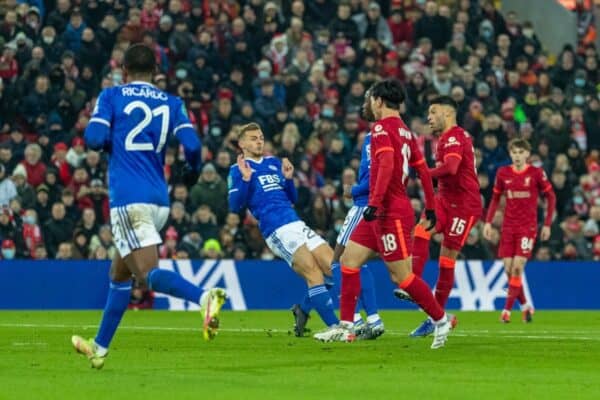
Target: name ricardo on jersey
143, 91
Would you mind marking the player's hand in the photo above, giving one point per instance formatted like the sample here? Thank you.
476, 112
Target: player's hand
244, 168
487, 231
369, 213
545, 233
431, 218
347, 191
287, 168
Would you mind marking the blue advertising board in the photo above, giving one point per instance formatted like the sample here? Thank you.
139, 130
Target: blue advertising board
252, 285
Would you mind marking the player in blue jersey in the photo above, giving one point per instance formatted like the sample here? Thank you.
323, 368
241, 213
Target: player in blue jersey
131, 122
360, 195
265, 186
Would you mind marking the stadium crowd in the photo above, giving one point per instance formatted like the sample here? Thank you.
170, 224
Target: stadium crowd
300, 69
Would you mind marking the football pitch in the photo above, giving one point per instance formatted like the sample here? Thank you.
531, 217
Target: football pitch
161, 355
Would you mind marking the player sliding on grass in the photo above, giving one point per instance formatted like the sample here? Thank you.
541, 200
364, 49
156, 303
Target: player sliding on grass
520, 183
458, 202
132, 122
360, 195
266, 186
389, 217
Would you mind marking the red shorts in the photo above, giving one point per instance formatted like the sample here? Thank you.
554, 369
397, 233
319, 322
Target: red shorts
390, 237
516, 242
454, 223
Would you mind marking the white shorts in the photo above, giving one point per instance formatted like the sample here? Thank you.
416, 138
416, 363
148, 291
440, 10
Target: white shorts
287, 239
355, 214
137, 225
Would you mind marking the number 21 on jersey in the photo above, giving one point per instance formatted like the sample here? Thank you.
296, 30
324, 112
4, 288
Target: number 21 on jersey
148, 115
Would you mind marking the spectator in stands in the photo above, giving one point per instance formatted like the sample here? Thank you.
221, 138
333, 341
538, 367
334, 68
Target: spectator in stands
103, 239
36, 170
212, 249
65, 251
8, 190
57, 229
210, 190
8, 249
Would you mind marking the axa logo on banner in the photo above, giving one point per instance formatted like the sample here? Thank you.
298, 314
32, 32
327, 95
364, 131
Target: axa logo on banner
211, 273
479, 285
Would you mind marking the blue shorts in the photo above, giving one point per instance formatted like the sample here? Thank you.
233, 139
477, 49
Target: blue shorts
352, 219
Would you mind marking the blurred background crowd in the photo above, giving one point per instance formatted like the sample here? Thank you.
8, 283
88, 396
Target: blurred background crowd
300, 69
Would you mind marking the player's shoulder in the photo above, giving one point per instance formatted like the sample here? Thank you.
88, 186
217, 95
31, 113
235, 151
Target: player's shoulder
538, 172
503, 170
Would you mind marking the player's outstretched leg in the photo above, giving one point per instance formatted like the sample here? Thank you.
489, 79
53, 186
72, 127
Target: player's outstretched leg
374, 326
144, 263
420, 255
305, 265
210, 301
117, 301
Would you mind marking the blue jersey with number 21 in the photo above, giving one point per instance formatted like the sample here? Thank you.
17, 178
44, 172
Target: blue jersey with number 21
132, 123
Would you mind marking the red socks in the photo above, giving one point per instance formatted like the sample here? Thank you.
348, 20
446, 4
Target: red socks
350, 292
445, 280
420, 250
421, 294
522, 299
515, 288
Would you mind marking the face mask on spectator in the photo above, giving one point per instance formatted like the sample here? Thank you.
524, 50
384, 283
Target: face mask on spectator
181, 74
117, 79
8, 254
580, 82
487, 34
328, 113
263, 74
578, 200
537, 164
48, 39
29, 219
578, 99
528, 33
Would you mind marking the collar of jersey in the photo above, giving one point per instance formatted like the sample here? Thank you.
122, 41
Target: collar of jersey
141, 83
257, 162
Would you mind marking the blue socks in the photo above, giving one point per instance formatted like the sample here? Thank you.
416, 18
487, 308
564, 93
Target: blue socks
367, 291
321, 301
116, 304
168, 282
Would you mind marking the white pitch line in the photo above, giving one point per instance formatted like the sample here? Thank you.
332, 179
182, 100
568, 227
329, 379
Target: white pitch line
534, 335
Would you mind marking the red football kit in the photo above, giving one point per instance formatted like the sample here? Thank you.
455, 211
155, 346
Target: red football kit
519, 227
458, 204
394, 149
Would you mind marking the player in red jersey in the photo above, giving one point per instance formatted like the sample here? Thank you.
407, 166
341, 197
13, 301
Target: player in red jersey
458, 202
388, 218
520, 183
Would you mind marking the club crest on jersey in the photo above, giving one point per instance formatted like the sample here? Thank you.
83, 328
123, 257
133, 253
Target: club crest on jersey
378, 128
527, 180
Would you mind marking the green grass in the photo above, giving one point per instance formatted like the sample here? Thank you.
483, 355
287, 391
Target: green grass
160, 355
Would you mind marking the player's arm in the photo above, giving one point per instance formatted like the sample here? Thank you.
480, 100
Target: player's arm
97, 133
417, 162
187, 136
450, 163
548, 192
496, 196
383, 152
361, 188
239, 185
287, 169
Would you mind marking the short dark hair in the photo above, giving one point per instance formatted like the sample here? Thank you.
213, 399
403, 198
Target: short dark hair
444, 101
390, 91
139, 59
252, 126
519, 143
